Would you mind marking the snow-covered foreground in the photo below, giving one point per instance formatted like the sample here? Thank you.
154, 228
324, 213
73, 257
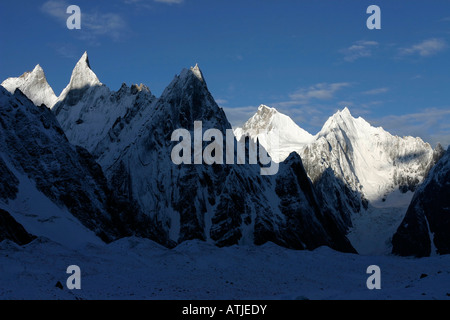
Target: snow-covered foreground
135, 268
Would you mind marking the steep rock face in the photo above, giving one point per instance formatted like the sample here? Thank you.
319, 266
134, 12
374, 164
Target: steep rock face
223, 204
87, 110
426, 226
143, 168
362, 175
10, 229
8, 182
316, 225
129, 132
34, 85
337, 199
35, 146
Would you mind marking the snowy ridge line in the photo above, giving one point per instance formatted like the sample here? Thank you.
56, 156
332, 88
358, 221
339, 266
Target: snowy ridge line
361, 176
379, 169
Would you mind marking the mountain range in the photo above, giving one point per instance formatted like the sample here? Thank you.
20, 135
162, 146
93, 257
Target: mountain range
98, 163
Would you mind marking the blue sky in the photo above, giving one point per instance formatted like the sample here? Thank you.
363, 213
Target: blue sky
306, 58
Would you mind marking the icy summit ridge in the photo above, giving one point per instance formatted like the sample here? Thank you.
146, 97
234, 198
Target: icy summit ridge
82, 77
369, 167
268, 119
197, 72
277, 132
34, 85
130, 137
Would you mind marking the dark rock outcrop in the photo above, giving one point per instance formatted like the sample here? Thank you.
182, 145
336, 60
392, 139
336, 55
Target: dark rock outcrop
427, 221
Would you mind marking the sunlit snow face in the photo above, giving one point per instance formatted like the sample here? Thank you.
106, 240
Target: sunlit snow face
213, 153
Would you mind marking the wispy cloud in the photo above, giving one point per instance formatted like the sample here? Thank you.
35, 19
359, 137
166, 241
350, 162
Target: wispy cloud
221, 102
238, 116
170, 1
320, 91
425, 48
360, 49
431, 125
66, 50
376, 91
93, 24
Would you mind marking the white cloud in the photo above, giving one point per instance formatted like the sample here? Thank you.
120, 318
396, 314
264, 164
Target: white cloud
56, 9
360, 49
430, 124
376, 91
221, 102
320, 91
425, 48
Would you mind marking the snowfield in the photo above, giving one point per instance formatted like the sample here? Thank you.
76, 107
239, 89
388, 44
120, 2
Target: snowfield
134, 268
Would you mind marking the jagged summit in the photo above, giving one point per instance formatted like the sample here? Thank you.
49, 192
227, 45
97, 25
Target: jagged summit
138, 88
82, 79
34, 85
344, 120
197, 72
263, 107
38, 70
87, 110
277, 132
191, 73
267, 118
345, 111
85, 58
266, 112
82, 75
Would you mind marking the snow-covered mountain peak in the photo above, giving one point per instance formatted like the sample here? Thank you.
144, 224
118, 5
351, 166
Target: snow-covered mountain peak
82, 74
345, 112
191, 73
271, 120
266, 118
34, 85
38, 71
266, 111
81, 80
85, 58
197, 72
344, 121
340, 116
276, 132
263, 108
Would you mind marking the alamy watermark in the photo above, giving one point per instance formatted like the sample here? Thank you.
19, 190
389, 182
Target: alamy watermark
74, 280
74, 20
213, 153
374, 21
374, 281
